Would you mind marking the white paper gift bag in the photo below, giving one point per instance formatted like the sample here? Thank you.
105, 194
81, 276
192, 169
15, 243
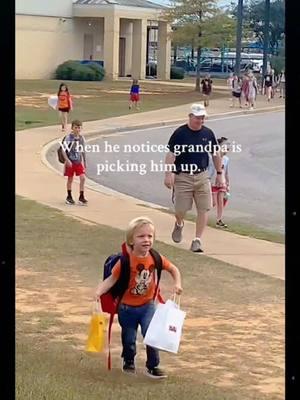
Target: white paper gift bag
52, 101
164, 331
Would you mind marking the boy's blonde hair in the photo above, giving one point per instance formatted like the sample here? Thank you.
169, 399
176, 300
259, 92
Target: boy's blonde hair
135, 224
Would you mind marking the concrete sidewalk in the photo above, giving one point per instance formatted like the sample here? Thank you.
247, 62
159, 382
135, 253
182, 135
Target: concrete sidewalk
35, 180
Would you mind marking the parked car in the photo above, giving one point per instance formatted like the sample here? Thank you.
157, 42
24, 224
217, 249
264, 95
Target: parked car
187, 66
217, 67
257, 66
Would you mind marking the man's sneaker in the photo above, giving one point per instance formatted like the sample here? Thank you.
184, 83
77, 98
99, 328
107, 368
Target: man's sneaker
177, 233
69, 200
82, 201
156, 373
220, 224
129, 367
196, 246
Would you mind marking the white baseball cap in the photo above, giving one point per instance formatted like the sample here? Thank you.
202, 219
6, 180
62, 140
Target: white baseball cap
198, 110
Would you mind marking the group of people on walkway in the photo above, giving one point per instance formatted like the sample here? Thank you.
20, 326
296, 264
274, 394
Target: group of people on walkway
199, 176
246, 88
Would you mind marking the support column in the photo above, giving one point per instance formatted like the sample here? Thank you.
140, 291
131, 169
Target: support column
128, 49
139, 43
111, 46
164, 51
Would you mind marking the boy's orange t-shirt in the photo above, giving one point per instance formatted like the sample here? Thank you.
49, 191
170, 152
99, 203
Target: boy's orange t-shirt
141, 282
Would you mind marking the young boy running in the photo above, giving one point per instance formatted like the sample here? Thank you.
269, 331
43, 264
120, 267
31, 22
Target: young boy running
134, 95
74, 154
137, 306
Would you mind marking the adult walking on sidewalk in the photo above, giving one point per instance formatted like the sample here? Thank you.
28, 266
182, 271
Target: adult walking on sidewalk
188, 158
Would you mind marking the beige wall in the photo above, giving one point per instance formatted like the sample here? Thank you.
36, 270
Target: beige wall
93, 26
42, 43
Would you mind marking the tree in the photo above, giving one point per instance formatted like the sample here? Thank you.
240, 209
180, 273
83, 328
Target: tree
254, 15
278, 61
199, 23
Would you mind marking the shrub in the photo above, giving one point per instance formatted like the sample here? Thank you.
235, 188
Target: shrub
98, 69
177, 73
75, 71
83, 73
65, 70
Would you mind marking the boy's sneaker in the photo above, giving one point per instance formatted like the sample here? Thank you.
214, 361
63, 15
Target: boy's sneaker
128, 367
220, 224
69, 200
155, 373
196, 246
177, 233
82, 201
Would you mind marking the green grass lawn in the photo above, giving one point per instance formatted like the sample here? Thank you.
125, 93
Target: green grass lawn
233, 339
243, 229
94, 100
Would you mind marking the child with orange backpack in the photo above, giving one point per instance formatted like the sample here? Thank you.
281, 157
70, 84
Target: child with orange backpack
132, 278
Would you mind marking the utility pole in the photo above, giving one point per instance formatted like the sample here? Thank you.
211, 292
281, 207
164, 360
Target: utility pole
239, 38
266, 35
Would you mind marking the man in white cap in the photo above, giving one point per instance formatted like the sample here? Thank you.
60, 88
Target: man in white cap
189, 146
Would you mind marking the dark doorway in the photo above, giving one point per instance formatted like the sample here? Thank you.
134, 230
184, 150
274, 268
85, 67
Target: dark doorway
122, 47
88, 47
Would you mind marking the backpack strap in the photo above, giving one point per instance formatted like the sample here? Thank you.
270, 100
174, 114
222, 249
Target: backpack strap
158, 265
124, 276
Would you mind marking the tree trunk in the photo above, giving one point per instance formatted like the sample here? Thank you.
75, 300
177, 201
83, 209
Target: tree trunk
197, 87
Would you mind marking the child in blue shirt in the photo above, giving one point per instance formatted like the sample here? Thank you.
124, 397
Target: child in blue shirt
134, 95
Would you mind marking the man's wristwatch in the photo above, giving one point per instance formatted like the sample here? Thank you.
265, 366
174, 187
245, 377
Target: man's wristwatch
219, 172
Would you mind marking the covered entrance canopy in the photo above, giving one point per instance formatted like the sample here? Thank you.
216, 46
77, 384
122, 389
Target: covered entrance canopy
115, 31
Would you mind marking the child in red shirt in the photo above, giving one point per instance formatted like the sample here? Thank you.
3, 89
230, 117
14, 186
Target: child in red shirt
137, 305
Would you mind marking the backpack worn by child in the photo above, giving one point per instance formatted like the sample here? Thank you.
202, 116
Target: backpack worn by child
60, 151
60, 154
110, 301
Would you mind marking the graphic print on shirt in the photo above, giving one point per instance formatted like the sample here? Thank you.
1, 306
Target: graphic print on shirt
143, 279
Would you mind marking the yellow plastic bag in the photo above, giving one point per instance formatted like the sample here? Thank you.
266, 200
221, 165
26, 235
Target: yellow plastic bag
95, 341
